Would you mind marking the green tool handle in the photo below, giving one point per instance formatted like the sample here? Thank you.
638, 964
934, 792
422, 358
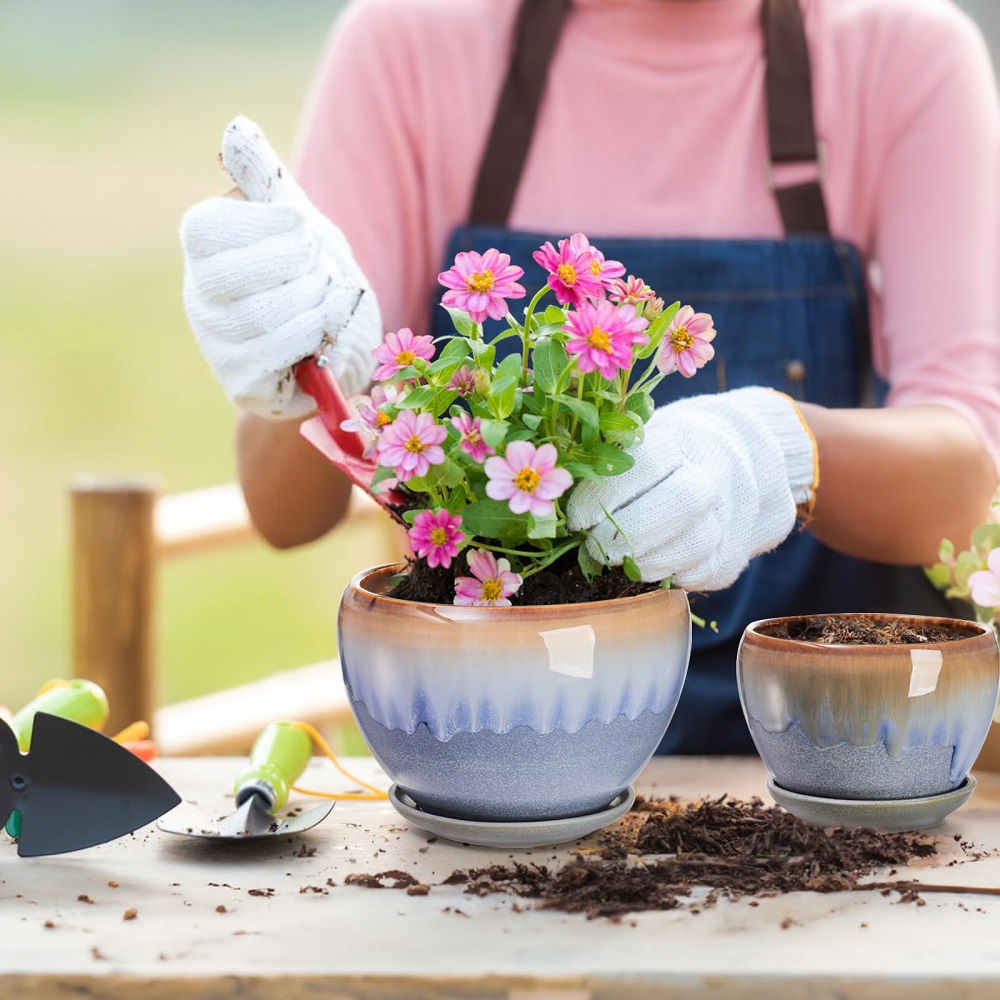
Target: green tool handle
279, 755
77, 700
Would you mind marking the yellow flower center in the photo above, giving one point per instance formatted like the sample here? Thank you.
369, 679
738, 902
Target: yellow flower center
492, 591
680, 339
414, 446
405, 358
439, 536
567, 274
527, 479
600, 339
596, 267
481, 281
383, 419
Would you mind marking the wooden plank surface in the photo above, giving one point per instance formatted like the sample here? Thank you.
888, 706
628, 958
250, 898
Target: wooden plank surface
259, 920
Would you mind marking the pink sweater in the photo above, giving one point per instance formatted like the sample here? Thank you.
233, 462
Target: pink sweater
652, 124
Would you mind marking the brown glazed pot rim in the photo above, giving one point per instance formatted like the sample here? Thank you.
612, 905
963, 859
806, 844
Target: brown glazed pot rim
359, 582
971, 632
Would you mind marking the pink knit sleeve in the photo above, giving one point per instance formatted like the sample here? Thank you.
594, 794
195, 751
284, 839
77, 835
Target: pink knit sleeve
357, 158
937, 240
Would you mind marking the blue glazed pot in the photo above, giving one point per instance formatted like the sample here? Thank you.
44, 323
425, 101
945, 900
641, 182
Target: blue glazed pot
865, 721
512, 714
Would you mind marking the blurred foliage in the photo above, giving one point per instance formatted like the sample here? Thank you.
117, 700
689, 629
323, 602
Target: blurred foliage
110, 127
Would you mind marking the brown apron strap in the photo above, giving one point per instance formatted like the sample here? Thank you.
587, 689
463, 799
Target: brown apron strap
788, 94
536, 33
791, 130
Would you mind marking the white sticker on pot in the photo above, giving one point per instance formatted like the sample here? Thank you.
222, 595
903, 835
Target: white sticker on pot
924, 671
571, 650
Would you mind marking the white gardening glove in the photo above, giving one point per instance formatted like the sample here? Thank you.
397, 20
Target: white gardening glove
269, 281
716, 481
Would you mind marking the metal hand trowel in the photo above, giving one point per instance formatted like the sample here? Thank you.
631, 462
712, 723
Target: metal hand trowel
75, 787
278, 757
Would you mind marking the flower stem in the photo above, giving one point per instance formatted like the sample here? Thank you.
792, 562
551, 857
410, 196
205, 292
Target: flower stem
525, 330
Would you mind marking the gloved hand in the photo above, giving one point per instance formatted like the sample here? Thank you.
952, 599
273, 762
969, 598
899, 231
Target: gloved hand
716, 481
269, 281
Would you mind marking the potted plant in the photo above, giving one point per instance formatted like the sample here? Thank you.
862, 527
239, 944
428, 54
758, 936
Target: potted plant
492, 698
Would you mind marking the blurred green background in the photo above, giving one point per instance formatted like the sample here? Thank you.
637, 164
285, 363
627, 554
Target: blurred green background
110, 122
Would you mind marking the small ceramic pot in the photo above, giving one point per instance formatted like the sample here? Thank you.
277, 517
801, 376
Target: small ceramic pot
867, 722
512, 714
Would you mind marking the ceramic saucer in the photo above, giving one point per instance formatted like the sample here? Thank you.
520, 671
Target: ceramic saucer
891, 815
534, 833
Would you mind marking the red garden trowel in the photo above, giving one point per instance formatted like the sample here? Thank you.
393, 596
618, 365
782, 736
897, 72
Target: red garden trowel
75, 787
259, 175
278, 757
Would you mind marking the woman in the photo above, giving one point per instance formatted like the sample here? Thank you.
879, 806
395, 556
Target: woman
819, 175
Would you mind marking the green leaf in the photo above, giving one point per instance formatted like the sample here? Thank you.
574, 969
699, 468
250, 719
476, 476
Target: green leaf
542, 527
456, 349
612, 420
939, 575
656, 330
531, 420
382, 472
947, 551
492, 519
500, 398
417, 399
483, 353
493, 431
610, 460
641, 404
554, 315
509, 367
549, 359
986, 536
631, 569
448, 473
583, 470
589, 566
461, 321
585, 411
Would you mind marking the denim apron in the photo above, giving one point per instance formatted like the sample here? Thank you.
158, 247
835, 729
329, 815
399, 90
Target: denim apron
792, 314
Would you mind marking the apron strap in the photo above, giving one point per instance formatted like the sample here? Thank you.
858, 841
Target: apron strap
788, 93
791, 130
536, 33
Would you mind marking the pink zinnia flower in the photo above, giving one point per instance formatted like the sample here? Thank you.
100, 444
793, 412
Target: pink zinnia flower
480, 285
471, 439
608, 271
411, 444
631, 292
602, 335
400, 350
571, 270
527, 477
463, 381
491, 584
686, 344
435, 536
984, 584
370, 420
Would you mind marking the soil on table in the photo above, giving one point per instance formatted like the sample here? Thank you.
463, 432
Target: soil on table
866, 630
561, 583
665, 854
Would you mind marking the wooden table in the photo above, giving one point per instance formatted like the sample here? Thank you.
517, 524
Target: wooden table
259, 920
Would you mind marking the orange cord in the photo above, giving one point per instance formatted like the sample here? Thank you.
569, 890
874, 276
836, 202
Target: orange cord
372, 795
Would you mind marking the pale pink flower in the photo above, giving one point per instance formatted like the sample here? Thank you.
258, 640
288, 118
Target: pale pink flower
491, 583
686, 344
411, 444
471, 437
463, 381
571, 270
631, 292
400, 350
527, 477
480, 285
984, 584
602, 335
370, 420
608, 271
435, 536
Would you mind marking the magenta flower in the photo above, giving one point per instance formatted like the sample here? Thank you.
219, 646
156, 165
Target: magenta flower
463, 381
411, 444
686, 344
435, 536
471, 437
984, 584
400, 350
571, 270
491, 583
370, 420
527, 477
480, 285
631, 292
602, 335
608, 271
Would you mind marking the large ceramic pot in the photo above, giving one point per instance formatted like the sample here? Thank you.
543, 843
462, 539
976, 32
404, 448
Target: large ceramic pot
512, 714
864, 721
